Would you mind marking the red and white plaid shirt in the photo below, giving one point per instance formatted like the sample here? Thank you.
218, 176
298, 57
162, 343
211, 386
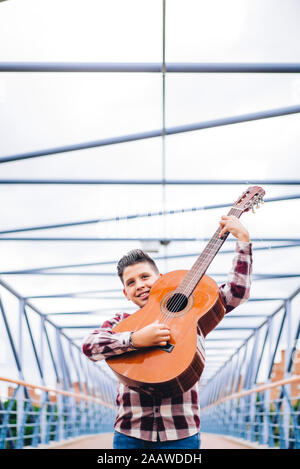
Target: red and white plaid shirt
145, 416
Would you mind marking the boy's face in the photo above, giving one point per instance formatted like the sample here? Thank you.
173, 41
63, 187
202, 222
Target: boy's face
138, 280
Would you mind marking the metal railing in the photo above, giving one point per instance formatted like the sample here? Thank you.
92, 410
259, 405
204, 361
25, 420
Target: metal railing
33, 415
253, 415
30, 419
37, 354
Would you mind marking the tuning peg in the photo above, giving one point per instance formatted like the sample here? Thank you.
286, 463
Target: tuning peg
253, 209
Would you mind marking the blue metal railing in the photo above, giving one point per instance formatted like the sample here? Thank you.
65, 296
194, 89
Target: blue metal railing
51, 416
254, 416
36, 413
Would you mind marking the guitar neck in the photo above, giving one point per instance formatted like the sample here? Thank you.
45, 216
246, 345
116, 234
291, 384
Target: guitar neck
201, 265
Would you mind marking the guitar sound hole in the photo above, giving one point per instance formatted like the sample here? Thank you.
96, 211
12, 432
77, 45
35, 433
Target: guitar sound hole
176, 303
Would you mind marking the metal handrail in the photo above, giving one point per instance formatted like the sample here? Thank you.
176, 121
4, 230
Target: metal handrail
62, 392
264, 387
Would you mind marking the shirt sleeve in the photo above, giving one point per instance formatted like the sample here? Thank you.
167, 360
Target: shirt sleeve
104, 342
237, 288
235, 291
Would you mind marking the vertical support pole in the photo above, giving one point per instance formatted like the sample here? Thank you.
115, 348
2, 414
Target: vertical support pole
20, 393
61, 385
14, 348
285, 405
250, 384
35, 351
164, 128
61, 361
252, 417
244, 401
60, 416
271, 364
266, 396
20, 335
234, 366
51, 352
44, 397
73, 358
270, 406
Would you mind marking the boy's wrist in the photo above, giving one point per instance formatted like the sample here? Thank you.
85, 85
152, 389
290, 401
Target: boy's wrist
245, 238
131, 341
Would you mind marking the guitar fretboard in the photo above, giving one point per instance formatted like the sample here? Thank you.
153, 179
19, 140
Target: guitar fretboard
201, 265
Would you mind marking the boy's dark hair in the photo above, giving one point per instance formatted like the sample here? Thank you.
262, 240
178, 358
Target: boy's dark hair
134, 257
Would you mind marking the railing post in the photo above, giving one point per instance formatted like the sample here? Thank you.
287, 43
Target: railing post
60, 417
287, 374
265, 400
44, 396
252, 417
20, 394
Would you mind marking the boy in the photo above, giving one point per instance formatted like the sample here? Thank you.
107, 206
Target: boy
150, 421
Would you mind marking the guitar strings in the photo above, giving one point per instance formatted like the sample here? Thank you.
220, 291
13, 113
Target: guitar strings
208, 253
210, 247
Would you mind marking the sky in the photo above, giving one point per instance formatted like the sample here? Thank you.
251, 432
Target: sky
47, 110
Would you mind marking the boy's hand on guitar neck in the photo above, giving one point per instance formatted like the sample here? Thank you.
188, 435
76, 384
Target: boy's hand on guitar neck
234, 226
158, 333
152, 335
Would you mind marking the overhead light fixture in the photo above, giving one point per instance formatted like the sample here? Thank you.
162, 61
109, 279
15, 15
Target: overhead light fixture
150, 246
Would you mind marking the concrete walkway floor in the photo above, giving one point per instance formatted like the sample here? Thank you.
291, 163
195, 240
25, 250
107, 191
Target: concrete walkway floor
104, 441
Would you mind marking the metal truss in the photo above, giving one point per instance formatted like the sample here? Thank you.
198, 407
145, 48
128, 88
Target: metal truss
82, 399
83, 389
159, 67
150, 214
262, 417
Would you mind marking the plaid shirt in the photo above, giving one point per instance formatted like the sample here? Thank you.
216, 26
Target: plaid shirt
146, 416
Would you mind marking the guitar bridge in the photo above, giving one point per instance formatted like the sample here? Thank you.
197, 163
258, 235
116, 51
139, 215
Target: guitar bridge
166, 348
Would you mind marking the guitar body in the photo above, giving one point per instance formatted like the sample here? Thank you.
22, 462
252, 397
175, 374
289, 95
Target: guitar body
185, 300
175, 368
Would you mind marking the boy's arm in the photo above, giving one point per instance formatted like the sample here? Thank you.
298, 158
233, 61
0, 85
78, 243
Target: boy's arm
237, 288
104, 342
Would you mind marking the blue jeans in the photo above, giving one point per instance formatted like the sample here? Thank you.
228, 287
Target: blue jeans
122, 441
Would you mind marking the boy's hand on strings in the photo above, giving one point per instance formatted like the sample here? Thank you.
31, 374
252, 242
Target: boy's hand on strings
154, 334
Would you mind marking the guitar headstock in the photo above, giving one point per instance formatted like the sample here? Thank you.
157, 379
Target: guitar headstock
252, 196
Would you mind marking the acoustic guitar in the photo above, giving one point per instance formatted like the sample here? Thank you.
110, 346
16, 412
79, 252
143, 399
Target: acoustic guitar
184, 300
